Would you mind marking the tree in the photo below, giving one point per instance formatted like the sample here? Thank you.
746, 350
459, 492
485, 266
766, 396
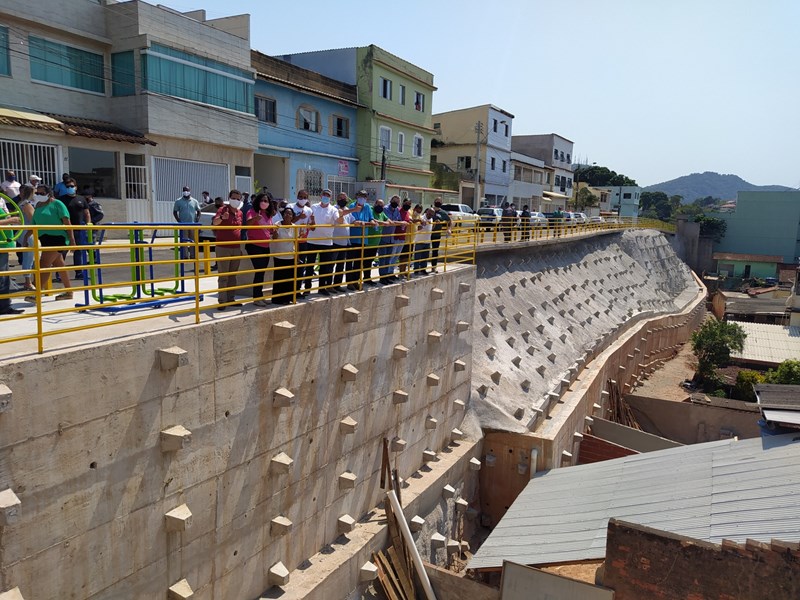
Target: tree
787, 373
601, 176
712, 345
745, 380
586, 198
712, 227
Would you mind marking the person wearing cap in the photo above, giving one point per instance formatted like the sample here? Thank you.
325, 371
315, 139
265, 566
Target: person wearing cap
363, 218
186, 210
228, 248
34, 180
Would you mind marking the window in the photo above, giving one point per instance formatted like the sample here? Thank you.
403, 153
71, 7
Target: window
562, 157
555, 154
310, 181
183, 75
558, 181
307, 118
123, 74
95, 172
437, 126
569, 159
342, 184
5, 65
492, 163
463, 163
67, 66
401, 143
626, 196
537, 177
419, 102
341, 127
385, 139
28, 159
402, 98
506, 133
266, 110
417, 150
547, 178
494, 125
386, 88
504, 166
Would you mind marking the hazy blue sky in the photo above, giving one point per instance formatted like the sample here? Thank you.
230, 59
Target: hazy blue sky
654, 89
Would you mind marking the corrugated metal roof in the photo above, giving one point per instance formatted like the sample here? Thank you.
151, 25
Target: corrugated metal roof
769, 344
731, 489
776, 395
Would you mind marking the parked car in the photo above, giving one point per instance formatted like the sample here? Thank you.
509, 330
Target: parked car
206, 214
461, 214
596, 219
538, 219
490, 217
580, 218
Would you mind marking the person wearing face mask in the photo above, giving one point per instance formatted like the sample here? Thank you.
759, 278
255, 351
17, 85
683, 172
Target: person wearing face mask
373, 239
401, 238
341, 242
422, 239
186, 210
302, 216
258, 243
359, 255
441, 221
60, 188
26, 202
320, 239
78, 215
50, 211
228, 247
6, 243
283, 255
389, 247
10, 185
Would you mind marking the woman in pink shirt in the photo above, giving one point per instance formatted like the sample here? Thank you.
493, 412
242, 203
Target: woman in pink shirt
258, 240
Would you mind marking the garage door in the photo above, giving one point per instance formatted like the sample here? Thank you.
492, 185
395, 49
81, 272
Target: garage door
171, 174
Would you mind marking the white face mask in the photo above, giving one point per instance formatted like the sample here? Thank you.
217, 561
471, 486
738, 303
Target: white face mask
39, 198
187, 194
236, 203
301, 202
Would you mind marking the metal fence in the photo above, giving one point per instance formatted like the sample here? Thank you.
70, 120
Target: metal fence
167, 270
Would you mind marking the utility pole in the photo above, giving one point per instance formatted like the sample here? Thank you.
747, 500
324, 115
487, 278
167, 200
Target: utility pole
478, 132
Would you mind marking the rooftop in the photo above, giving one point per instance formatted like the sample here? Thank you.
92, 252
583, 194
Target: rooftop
729, 489
768, 344
765, 258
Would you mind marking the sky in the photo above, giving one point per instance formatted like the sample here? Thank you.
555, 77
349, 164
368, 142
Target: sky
654, 89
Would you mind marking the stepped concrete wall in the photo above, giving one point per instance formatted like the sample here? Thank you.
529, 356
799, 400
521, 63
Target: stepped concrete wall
285, 410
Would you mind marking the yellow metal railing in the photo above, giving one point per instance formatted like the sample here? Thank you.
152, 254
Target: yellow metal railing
146, 276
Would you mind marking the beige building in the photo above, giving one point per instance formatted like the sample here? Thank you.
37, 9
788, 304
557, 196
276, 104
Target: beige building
477, 139
133, 100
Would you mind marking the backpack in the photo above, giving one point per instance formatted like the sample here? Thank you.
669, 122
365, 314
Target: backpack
96, 212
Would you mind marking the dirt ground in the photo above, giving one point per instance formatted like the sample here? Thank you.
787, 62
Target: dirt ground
666, 382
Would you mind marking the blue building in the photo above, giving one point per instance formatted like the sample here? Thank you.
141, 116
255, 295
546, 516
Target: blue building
306, 130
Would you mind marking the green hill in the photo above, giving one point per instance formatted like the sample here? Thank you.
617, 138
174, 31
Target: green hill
700, 185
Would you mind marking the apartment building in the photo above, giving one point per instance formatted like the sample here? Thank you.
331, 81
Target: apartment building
393, 128
473, 139
556, 152
527, 181
306, 130
134, 100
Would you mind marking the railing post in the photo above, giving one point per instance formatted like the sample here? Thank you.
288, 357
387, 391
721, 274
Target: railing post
196, 246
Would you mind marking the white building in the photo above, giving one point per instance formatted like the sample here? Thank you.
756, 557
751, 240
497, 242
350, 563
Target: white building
624, 199
133, 100
556, 152
527, 181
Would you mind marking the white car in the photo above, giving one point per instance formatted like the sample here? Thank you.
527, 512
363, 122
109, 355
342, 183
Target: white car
490, 217
596, 219
538, 219
461, 214
579, 217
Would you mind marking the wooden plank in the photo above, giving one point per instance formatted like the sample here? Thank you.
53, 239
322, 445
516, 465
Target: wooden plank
390, 585
402, 574
385, 466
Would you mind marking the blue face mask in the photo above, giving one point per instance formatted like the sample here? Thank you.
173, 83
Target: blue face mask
71, 190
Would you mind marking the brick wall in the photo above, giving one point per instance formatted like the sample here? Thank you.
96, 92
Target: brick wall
594, 449
647, 563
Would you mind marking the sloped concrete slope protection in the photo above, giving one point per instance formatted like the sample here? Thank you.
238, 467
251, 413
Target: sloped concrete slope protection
540, 314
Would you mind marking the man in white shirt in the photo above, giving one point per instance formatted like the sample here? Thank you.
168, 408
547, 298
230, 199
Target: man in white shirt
10, 185
320, 239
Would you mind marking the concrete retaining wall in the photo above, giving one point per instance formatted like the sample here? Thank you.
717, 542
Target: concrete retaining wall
82, 441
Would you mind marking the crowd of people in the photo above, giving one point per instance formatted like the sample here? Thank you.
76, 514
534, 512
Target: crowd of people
336, 242
38, 204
